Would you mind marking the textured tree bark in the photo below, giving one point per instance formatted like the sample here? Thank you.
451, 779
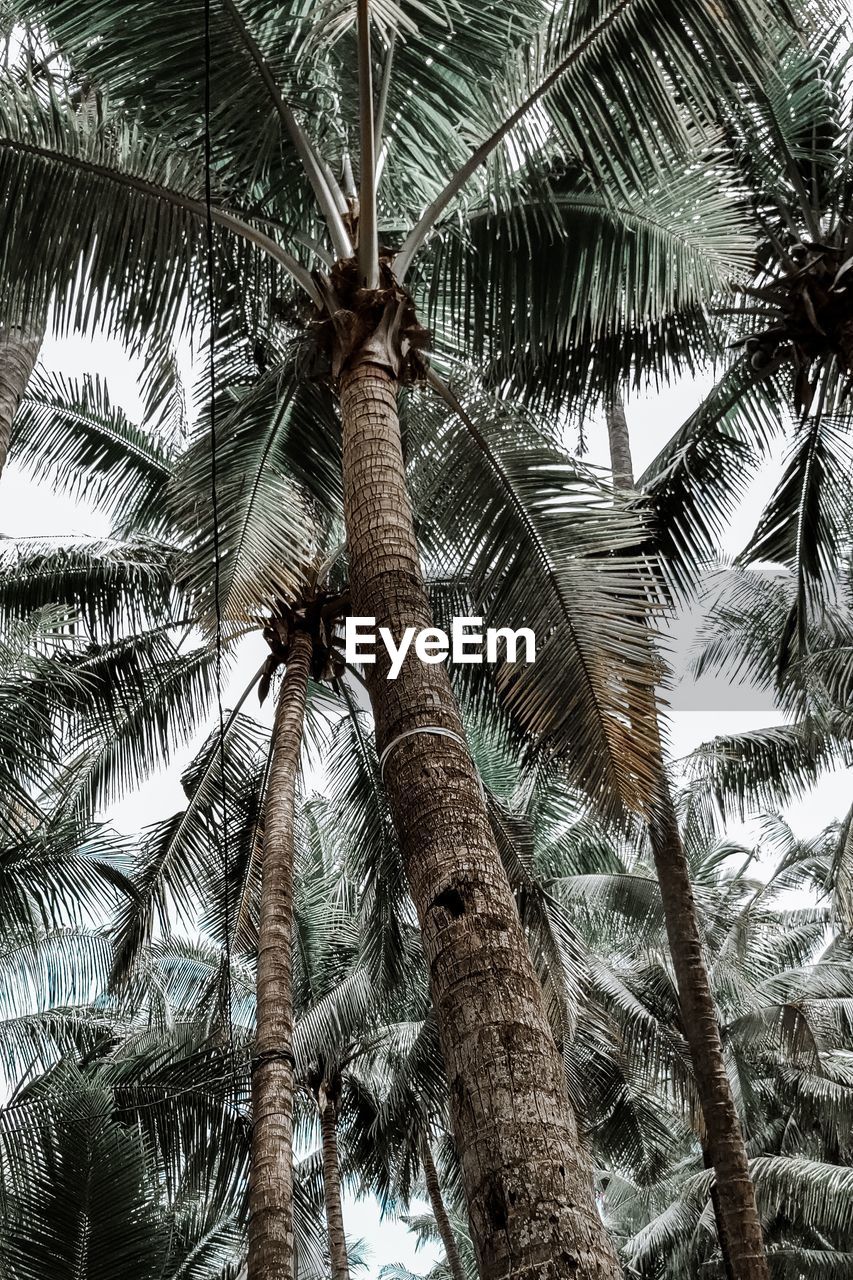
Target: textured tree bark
270, 1253
332, 1186
621, 465
19, 349
527, 1181
442, 1222
738, 1224
741, 1227
722, 1235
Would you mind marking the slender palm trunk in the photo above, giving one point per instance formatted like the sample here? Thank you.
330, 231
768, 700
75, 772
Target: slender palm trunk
739, 1227
332, 1186
270, 1255
19, 349
527, 1181
620, 445
442, 1222
722, 1235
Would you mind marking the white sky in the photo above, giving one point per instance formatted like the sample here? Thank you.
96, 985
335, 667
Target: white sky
29, 510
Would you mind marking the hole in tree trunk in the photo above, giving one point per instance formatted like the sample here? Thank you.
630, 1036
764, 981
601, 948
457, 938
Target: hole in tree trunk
452, 901
496, 1206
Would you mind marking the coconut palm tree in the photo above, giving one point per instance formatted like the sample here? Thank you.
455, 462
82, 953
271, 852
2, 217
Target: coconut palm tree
800, 189
724, 1147
81, 427
789, 328
123, 585
133, 465
587, 102
780, 978
627, 1061
612, 906
157, 1073
254, 523
339, 1012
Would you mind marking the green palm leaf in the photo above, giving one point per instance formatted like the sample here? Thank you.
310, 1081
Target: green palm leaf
69, 432
538, 544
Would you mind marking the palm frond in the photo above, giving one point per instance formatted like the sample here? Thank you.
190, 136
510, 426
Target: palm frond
69, 432
694, 483
762, 769
127, 215
531, 275
804, 524
180, 865
86, 1196
106, 585
264, 531
538, 544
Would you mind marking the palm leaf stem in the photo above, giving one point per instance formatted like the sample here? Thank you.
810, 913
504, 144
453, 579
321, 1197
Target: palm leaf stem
433, 212
314, 171
368, 243
384, 88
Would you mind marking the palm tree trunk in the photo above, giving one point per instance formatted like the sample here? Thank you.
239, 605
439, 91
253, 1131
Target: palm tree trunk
19, 349
738, 1224
332, 1186
527, 1181
741, 1227
270, 1255
621, 464
725, 1249
442, 1222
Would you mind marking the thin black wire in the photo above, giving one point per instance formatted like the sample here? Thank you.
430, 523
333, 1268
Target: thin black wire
217, 575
